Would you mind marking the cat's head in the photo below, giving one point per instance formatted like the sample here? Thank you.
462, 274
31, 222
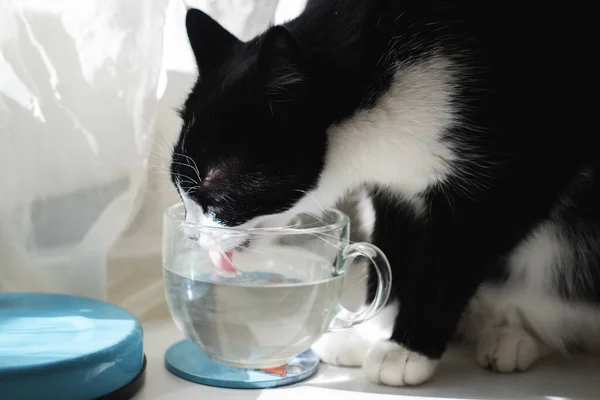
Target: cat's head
251, 144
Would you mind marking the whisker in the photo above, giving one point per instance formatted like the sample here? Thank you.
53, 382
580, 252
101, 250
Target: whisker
166, 148
187, 165
191, 188
162, 191
253, 250
158, 134
312, 198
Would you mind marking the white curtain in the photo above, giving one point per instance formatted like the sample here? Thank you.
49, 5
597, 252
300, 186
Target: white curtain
88, 90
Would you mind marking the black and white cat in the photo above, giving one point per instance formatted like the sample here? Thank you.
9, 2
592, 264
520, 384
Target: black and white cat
466, 124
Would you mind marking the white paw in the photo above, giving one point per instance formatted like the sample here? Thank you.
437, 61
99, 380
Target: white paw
391, 364
346, 348
508, 349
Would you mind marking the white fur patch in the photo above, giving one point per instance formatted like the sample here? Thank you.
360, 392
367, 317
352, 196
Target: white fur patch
509, 349
345, 349
547, 317
193, 212
528, 302
348, 348
392, 364
208, 239
396, 143
366, 214
532, 263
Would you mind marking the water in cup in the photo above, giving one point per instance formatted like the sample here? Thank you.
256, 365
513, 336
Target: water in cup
281, 300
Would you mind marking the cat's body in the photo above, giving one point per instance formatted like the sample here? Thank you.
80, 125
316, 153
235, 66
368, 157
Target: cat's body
465, 124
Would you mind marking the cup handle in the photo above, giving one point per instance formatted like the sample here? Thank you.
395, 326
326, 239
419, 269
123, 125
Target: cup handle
344, 318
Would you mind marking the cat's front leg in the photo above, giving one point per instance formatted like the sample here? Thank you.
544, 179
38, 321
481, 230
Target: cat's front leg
348, 348
428, 315
435, 274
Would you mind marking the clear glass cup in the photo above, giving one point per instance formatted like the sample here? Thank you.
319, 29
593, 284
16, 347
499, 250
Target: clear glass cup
278, 293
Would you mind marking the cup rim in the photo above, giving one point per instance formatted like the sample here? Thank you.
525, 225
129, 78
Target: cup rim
172, 212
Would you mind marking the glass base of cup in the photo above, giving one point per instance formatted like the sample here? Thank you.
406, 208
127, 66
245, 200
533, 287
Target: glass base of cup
187, 360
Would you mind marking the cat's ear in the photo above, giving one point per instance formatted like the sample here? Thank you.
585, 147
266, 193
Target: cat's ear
281, 67
210, 42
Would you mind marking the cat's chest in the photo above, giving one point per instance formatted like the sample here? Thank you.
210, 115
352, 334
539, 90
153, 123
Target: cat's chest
398, 142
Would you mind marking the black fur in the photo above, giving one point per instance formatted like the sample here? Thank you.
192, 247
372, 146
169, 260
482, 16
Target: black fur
260, 112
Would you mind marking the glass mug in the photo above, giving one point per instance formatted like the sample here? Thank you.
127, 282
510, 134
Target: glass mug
283, 295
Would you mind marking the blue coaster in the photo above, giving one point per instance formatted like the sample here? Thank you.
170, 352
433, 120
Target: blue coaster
64, 347
188, 361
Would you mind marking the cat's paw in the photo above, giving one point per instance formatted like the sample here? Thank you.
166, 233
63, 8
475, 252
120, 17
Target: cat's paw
391, 364
508, 349
345, 349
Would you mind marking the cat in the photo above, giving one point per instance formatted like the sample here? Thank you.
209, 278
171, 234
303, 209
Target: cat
464, 124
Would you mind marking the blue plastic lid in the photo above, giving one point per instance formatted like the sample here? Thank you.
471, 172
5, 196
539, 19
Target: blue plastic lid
64, 347
188, 361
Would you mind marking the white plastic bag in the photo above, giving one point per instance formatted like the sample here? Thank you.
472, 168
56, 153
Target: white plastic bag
78, 94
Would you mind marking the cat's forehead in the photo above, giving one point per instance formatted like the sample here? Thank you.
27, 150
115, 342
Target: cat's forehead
209, 111
234, 77
219, 175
